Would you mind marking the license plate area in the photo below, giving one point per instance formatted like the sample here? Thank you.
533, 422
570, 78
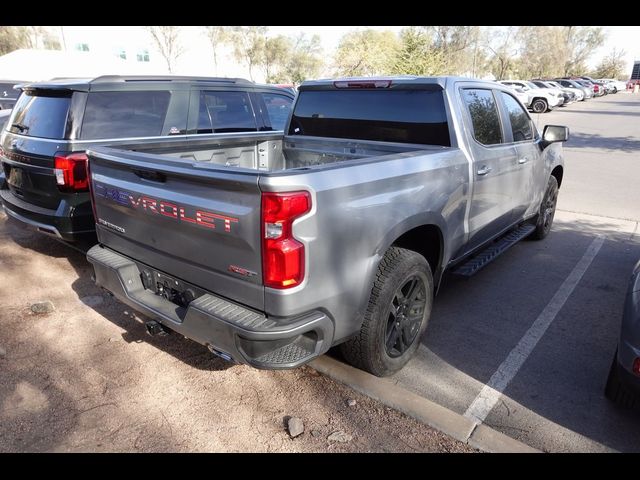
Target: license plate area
15, 177
170, 288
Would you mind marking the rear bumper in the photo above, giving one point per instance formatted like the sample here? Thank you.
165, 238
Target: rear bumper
225, 327
67, 222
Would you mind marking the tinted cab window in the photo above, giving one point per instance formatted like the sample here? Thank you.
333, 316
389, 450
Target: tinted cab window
404, 116
484, 116
518, 119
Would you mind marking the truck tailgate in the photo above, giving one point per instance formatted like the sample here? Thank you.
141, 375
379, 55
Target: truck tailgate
198, 225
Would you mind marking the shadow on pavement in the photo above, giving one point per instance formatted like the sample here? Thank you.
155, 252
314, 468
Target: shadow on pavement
624, 144
476, 322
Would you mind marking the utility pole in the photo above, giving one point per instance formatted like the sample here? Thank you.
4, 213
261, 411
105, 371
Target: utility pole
64, 43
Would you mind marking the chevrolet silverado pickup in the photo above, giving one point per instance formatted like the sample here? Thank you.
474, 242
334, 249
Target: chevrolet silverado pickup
270, 247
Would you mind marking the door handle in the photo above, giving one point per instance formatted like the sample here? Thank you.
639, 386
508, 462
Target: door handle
484, 170
523, 160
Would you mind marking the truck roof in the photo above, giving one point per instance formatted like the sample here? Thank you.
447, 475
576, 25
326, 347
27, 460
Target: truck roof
384, 81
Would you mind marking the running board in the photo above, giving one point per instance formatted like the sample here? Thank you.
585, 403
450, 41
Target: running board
493, 251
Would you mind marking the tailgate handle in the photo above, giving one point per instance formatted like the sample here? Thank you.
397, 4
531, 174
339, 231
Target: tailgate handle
153, 176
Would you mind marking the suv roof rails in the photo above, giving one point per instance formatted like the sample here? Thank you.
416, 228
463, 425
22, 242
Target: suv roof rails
166, 78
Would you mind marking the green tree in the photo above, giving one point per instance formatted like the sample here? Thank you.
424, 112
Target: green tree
455, 46
217, 36
501, 43
13, 38
581, 43
167, 39
543, 51
612, 66
306, 60
366, 52
248, 45
276, 57
416, 55
16, 37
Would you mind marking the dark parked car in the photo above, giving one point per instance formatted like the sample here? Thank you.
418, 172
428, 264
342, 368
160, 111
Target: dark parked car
8, 94
53, 123
623, 384
4, 116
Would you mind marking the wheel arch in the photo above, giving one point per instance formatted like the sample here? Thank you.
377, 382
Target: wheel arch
558, 172
424, 234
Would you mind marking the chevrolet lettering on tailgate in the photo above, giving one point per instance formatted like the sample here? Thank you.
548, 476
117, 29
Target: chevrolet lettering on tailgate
155, 206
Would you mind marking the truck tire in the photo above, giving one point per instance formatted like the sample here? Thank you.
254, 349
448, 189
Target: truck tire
397, 314
544, 220
539, 105
615, 390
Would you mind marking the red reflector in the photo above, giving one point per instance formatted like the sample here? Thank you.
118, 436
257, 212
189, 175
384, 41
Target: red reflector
71, 171
282, 255
636, 366
362, 84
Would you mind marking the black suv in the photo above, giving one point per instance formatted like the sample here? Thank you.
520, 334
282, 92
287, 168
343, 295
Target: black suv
8, 95
44, 181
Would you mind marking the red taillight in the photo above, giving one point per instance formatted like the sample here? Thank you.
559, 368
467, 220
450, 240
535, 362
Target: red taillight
636, 366
71, 171
282, 255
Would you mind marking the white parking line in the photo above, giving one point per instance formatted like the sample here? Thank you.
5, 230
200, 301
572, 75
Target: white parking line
492, 391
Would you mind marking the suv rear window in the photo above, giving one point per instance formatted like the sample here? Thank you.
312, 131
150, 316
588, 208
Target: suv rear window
404, 116
40, 115
124, 114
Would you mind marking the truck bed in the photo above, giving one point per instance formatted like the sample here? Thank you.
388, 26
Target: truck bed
271, 153
194, 206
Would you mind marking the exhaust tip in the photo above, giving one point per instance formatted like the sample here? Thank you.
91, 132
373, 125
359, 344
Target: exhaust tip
223, 355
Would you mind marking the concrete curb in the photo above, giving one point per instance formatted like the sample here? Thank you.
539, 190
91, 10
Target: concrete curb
447, 421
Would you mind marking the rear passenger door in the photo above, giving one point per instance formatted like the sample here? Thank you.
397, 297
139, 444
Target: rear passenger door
494, 166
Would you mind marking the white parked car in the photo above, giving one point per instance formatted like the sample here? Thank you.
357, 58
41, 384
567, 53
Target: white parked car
616, 84
523, 96
542, 99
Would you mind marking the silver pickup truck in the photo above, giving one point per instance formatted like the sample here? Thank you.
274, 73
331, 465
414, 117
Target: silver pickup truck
270, 249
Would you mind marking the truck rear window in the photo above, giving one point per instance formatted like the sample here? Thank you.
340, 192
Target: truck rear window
38, 114
404, 116
124, 114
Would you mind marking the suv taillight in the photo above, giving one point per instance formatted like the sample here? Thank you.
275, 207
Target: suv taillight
71, 171
282, 255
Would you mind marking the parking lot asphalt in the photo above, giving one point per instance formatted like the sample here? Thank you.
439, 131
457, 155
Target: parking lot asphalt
525, 345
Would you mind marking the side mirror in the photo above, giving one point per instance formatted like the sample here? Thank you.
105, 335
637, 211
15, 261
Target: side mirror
554, 133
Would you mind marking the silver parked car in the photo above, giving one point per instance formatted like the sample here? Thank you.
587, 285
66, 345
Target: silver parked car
623, 384
576, 91
588, 92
